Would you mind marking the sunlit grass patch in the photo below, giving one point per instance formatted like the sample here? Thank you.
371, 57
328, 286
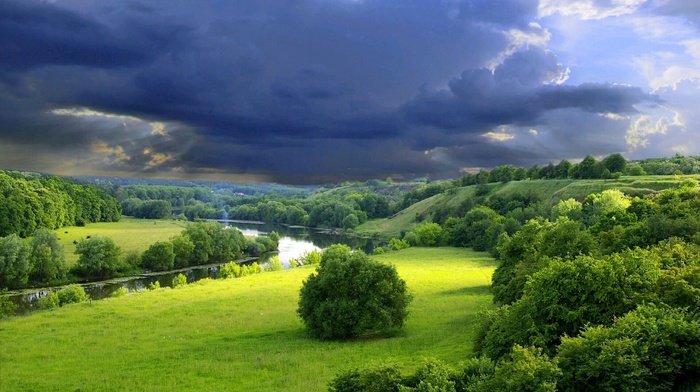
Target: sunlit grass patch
239, 334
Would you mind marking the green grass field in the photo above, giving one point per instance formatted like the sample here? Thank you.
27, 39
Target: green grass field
238, 334
129, 234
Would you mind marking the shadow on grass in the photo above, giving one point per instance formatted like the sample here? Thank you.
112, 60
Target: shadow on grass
473, 290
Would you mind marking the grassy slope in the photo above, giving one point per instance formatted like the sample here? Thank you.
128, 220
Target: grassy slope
129, 234
550, 190
239, 334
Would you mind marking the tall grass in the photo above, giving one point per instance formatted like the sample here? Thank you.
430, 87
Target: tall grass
238, 334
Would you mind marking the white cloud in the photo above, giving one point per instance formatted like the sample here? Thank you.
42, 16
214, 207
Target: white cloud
589, 9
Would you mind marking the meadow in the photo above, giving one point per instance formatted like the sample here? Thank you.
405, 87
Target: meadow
130, 234
239, 334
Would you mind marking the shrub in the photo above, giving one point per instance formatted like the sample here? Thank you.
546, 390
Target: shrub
229, 270
121, 291
351, 295
154, 285
397, 244
255, 268
73, 293
274, 264
377, 378
179, 281
50, 301
526, 369
431, 376
378, 251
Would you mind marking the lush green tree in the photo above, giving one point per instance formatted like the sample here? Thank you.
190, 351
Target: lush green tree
615, 163
350, 222
99, 257
649, 349
598, 204
182, 248
352, 295
570, 208
46, 257
14, 262
159, 256
525, 369
428, 234
202, 241
565, 296
531, 249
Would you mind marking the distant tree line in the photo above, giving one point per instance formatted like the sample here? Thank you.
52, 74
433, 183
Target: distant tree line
41, 261
29, 202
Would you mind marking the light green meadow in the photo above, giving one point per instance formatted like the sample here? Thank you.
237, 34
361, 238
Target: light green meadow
130, 234
238, 334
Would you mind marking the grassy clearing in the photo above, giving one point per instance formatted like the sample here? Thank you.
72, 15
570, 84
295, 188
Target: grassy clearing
129, 234
238, 334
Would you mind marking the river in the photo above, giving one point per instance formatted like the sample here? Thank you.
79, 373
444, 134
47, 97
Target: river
294, 241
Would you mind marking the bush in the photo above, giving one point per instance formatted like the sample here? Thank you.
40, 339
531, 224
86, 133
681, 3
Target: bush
179, 281
73, 293
121, 291
230, 270
274, 264
351, 295
50, 301
397, 244
378, 378
153, 285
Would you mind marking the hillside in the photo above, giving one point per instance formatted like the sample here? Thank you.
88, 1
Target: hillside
551, 191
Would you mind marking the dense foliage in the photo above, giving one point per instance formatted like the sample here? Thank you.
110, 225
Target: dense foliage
29, 202
351, 295
41, 260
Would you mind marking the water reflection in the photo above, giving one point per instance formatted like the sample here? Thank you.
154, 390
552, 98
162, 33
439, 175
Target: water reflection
294, 241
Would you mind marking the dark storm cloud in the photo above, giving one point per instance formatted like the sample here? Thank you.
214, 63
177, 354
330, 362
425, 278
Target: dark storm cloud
517, 92
301, 91
40, 34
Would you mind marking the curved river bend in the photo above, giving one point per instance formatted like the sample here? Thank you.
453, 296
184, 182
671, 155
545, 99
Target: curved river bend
294, 241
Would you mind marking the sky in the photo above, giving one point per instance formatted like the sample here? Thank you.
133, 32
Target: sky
318, 91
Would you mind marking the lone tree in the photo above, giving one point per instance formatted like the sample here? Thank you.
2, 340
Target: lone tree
351, 295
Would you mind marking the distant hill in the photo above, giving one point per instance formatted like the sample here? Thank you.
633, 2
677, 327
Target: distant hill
551, 191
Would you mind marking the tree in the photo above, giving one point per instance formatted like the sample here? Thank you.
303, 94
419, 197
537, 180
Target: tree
14, 262
648, 349
352, 295
46, 257
616, 163
566, 296
99, 257
159, 256
428, 234
525, 369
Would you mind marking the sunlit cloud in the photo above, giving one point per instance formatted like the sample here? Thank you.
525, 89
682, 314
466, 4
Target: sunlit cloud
589, 9
498, 136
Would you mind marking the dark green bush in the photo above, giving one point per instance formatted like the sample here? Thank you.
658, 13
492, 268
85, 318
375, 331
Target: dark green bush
351, 295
